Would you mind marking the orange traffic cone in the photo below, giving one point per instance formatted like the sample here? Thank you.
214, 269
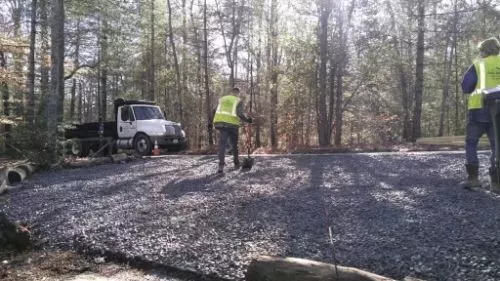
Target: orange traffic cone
156, 150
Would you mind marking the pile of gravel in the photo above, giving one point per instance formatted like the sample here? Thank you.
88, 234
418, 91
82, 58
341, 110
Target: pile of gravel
391, 214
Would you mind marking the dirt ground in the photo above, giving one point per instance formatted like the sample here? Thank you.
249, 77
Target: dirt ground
68, 266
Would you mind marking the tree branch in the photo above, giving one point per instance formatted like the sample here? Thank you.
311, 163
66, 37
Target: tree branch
78, 68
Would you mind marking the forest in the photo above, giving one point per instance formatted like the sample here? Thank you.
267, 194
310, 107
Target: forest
321, 73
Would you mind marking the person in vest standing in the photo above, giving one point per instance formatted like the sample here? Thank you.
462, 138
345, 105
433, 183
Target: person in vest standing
226, 119
482, 74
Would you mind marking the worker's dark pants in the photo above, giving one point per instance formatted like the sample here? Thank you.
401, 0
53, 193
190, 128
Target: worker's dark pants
226, 134
475, 130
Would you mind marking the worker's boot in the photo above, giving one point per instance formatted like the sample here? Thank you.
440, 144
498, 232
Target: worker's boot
220, 170
472, 177
494, 181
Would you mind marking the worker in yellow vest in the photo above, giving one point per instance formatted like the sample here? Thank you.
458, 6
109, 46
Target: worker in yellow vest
482, 74
226, 119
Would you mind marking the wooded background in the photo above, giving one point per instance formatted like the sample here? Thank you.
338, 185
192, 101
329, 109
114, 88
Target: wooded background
323, 72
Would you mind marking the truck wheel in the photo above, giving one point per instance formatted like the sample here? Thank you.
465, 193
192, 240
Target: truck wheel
142, 144
79, 148
76, 148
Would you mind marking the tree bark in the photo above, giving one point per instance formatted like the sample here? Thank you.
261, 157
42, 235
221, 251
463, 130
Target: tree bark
57, 73
419, 75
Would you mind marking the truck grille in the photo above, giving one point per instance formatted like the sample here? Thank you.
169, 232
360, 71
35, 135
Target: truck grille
177, 130
169, 130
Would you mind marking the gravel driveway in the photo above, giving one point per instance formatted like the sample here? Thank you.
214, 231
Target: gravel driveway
392, 214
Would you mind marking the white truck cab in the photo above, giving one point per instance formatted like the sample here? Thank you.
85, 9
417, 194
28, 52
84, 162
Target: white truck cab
142, 124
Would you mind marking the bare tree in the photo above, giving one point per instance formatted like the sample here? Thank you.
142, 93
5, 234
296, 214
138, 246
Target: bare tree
419, 75
208, 101
57, 72
325, 9
176, 62
30, 105
274, 74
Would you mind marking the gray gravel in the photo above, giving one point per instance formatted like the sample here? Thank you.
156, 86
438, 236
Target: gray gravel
394, 215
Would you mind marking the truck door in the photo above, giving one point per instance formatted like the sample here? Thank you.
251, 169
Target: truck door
126, 123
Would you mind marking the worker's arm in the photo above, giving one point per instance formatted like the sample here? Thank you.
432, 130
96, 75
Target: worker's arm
469, 81
241, 115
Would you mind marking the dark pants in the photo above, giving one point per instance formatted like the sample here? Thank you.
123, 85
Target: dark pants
475, 130
226, 134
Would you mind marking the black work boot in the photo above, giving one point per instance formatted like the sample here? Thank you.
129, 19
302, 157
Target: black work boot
220, 170
494, 181
472, 177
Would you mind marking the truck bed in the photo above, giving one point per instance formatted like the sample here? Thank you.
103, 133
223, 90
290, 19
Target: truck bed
91, 130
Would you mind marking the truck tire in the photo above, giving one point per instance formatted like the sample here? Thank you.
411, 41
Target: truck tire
76, 147
142, 144
79, 148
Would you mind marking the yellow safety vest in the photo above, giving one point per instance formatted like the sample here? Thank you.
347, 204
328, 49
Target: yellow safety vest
488, 76
226, 111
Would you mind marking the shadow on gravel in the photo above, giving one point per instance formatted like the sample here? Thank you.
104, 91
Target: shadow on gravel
393, 215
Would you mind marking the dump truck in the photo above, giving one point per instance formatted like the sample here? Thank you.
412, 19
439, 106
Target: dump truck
137, 125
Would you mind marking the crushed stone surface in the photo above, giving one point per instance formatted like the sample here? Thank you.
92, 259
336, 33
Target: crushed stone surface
395, 214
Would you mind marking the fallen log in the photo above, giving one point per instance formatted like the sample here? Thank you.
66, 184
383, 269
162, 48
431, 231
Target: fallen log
266, 268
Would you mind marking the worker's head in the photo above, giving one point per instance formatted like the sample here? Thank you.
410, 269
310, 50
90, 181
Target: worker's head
236, 91
489, 47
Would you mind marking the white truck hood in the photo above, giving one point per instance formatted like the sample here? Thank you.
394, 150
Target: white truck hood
154, 127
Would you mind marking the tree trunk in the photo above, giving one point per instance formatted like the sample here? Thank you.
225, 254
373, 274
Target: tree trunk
77, 64
446, 84
80, 101
57, 73
419, 75
30, 105
258, 82
208, 100
323, 53
152, 94
274, 75
72, 101
4, 90
176, 62
104, 72
18, 94
44, 64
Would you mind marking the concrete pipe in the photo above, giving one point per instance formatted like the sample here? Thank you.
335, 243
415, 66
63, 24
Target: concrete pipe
29, 168
16, 175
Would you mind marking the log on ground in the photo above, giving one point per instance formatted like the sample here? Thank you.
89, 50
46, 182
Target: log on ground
266, 268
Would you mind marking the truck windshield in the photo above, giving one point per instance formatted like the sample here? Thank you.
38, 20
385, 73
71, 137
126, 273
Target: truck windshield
147, 113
